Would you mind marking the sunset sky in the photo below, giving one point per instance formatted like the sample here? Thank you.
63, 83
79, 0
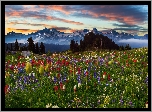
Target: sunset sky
69, 18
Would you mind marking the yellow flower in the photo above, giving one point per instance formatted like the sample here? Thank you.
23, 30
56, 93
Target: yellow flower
7, 74
41, 69
47, 68
16, 71
107, 99
28, 67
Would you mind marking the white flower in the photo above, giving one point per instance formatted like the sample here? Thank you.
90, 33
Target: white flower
55, 106
48, 105
104, 76
52, 78
146, 105
75, 87
63, 87
79, 85
105, 89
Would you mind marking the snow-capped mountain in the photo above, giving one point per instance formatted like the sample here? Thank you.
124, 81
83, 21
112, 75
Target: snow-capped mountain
53, 36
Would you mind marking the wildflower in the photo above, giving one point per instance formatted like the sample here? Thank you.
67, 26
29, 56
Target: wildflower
146, 104
75, 88
130, 103
108, 77
134, 61
79, 85
104, 75
16, 71
48, 105
87, 73
41, 69
6, 89
107, 99
63, 87
28, 67
121, 101
55, 88
7, 74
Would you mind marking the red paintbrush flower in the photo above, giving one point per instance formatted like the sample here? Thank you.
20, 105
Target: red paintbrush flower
55, 88
79, 72
134, 61
127, 64
63, 61
8, 61
23, 64
108, 77
87, 73
58, 76
61, 86
12, 67
67, 63
6, 89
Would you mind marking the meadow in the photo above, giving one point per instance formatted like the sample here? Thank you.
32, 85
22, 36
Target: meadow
95, 79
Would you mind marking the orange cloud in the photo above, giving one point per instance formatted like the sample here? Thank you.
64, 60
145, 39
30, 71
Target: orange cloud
24, 31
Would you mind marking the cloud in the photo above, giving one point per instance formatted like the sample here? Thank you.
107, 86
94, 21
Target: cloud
20, 30
125, 25
122, 13
38, 15
135, 43
66, 9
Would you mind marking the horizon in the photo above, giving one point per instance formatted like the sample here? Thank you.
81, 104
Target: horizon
132, 19
105, 31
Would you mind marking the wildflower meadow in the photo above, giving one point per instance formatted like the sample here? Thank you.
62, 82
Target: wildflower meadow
90, 79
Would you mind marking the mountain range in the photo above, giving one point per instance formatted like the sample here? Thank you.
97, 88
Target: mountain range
56, 37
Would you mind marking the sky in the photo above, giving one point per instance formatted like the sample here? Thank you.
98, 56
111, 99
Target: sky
26, 19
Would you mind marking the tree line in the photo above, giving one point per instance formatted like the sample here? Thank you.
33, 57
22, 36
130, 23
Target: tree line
96, 41
31, 47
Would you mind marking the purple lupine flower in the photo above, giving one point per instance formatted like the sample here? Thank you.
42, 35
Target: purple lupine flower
121, 101
146, 80
107, 84
79, 81
98, 78
64, 79
130, 103
55, 79
95, 75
